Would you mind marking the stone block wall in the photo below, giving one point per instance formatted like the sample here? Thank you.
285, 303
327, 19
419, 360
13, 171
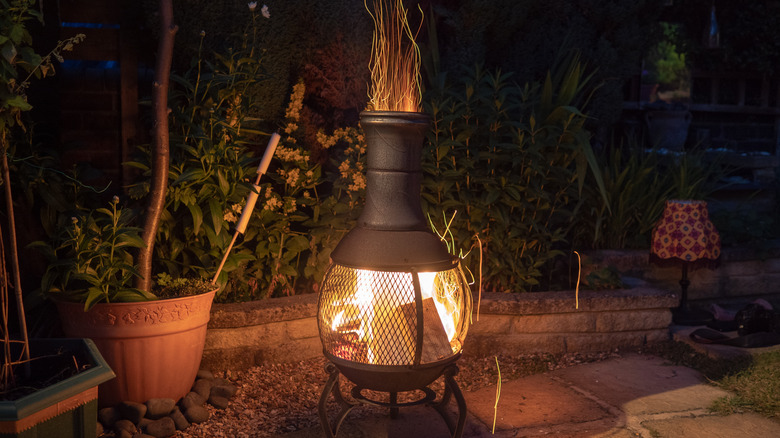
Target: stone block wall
743, 274
551, 322
284, 330
279, 330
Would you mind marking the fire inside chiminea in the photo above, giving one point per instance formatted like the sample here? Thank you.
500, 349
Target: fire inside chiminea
394, 305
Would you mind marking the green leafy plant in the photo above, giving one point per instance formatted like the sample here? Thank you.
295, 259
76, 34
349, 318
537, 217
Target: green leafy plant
92, 259
512, 161
210, 163
638, 183
19, 64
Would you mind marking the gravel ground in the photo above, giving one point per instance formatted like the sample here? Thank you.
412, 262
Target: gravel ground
281, 398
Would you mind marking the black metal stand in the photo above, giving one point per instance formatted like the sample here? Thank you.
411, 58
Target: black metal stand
450, 389
684, 315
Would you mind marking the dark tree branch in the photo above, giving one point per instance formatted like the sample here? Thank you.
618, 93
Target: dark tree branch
160, 143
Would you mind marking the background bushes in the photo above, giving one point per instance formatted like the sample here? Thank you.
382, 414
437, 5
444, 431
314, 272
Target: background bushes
515, 91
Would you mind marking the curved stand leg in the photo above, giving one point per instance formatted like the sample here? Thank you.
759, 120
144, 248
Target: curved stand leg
332, 387
451, 388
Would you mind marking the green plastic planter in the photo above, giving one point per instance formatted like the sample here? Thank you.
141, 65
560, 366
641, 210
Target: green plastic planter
65, 409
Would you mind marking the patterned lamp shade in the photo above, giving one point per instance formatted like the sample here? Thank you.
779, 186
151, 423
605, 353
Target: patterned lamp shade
685, 233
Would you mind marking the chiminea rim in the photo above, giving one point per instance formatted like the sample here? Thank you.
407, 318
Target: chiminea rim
391, 378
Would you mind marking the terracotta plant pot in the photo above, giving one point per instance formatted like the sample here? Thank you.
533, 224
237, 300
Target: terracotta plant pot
154, 347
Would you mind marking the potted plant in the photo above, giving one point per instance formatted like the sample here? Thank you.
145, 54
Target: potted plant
48, 386
667, 117
153, 340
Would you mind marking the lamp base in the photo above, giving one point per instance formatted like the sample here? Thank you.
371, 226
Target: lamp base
691, 317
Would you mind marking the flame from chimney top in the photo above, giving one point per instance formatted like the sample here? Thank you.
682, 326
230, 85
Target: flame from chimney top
395, 59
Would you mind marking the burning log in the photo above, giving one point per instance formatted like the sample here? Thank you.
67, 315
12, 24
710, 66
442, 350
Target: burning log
436, 343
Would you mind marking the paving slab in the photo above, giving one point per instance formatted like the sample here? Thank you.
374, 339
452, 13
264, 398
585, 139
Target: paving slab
539, 404
641, 385
631, 396
745, 425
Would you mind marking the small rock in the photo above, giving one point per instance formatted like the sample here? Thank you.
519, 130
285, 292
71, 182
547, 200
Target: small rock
157, 408
196, 414
161, 428
142, 435
192, 399
99, 429
202, 387
179, 419
220, 382
125, 426
125, 434
225, 391
132, 411
109, 416
143, 423
204, 374
219, 402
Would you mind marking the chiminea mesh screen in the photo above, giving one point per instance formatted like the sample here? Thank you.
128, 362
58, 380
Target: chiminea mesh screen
393, 318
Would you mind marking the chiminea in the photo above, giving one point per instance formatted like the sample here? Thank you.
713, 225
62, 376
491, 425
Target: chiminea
394, 303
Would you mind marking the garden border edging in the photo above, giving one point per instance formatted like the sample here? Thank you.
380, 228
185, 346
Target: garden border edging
284, 330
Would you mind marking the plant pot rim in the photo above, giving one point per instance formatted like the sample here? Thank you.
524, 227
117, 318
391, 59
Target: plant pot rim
60, 300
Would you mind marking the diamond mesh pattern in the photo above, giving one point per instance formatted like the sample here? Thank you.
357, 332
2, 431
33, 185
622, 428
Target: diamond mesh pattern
371, 317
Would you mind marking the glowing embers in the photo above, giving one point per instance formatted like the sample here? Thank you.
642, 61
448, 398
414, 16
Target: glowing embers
393, 318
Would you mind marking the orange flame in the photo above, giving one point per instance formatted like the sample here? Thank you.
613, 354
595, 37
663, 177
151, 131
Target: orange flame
395, 59
377, 322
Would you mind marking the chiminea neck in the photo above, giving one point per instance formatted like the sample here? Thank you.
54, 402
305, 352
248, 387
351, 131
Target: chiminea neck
392, 233
393, 171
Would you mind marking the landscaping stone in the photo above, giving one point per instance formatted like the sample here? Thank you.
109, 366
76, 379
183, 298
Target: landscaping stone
179, 419
202, 387
99, 429
218, 401
132, 411
204, 374
162, 417
161, 428
157, 408
225, 391
192, 399
219, 381
143, 423
196, 414
109, 416
125, 426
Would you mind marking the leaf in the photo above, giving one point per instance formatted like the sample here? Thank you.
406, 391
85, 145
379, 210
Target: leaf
17, 33
19, 102
215, 207
197, 217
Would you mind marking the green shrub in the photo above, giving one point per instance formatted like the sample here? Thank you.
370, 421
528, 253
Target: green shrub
526, 37
638, 183
511, 161
91, 259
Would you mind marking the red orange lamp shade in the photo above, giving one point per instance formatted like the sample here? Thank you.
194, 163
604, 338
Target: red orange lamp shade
685, 235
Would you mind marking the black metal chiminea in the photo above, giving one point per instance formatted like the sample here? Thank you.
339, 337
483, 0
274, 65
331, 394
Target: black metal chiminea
394, 304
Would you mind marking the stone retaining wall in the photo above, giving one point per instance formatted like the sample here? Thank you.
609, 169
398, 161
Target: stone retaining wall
743, 274
284, 330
